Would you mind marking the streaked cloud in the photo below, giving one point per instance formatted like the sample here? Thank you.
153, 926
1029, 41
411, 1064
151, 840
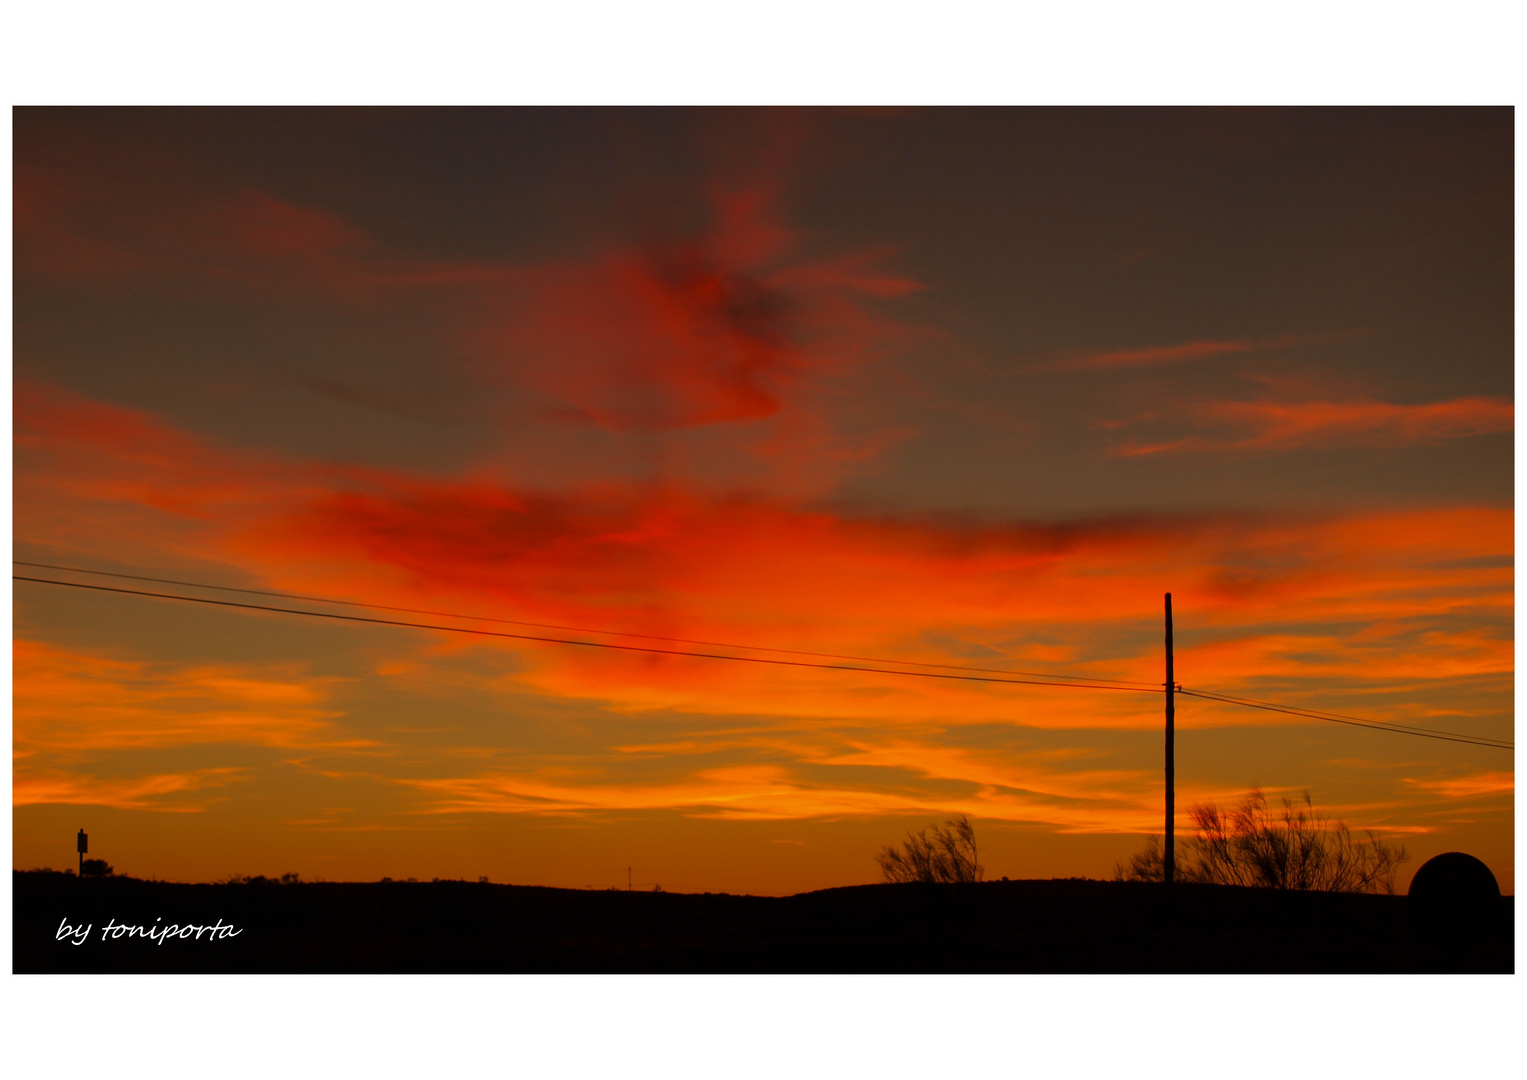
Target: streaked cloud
164, 792
1183, 352
773, 572
1161, 354
1471, 786
70, 701
1274, 425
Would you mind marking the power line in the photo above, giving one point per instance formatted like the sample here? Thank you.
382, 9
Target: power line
1338, 718
1372, 725
572, 629
1320, 714
573, 641
1226, 699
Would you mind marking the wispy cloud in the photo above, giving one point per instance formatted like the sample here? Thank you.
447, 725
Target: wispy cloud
1271, 597
734, 327
157, 792
1183, 352
1116, 801
1162, 354
1278, 425
69, 701
686, 564
1471, 786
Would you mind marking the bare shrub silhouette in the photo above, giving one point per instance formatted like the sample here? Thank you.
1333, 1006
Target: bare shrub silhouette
1296, 848
948, 856
260, 879
1148, 865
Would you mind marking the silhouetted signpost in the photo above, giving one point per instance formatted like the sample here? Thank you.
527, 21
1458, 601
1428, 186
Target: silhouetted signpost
82, 845
1167, 856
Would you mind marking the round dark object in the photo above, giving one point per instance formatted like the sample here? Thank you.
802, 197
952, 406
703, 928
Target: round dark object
1454, 900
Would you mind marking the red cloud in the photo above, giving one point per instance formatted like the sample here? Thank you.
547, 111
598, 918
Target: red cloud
1289, 425
765, 571
728, 326
1257, 598
1278, 424
1189, 350
630, 344
716, 330
1167, 354
140, 232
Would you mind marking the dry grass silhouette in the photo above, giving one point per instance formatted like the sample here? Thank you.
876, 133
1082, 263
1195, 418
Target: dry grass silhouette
1296, 848
948, 856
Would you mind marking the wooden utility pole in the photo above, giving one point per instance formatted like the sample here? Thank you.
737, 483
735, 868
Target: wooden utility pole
82, 845
1168, 854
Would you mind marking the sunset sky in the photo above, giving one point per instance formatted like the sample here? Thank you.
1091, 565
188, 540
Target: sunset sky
945, 387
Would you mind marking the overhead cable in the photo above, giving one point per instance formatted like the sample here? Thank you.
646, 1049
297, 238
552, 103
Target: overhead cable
574, 629
589, 644
1372, 725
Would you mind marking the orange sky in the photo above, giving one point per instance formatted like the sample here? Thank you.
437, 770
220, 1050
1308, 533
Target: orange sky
714, 397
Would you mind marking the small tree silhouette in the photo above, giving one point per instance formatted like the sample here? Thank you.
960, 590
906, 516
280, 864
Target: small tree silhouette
949, 856
1298, 848
95, 868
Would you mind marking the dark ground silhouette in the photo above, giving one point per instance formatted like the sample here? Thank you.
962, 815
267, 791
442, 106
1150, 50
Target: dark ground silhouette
996, 926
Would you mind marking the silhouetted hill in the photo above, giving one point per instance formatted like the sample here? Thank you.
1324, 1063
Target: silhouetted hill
1001, 926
